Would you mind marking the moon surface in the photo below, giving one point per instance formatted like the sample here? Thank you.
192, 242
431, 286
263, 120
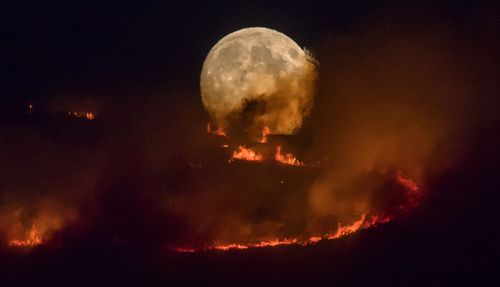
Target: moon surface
259, 76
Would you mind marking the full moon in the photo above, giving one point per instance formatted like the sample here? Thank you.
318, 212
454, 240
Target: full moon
258, 77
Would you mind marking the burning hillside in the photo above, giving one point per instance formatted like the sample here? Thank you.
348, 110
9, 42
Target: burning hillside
287, 195
348, 143
286, 158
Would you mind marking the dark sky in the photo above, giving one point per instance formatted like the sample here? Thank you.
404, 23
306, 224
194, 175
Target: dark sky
60, 47
137, 65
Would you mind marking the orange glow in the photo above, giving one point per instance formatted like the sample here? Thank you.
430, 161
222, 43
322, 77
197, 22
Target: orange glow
45, 219
365, 221
230, 246
341, 231
218, 131
34, 239
348, 229
85, 115
184, 250
288, 158
265, 132
362, 223
414, 192
408, 183
269, 243
89, 116
244, 153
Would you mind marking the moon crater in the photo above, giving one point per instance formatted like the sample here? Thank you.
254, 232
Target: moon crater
258, 77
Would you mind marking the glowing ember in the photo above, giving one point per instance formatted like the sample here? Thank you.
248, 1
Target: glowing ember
265, 132
86, 115
244, 153
89, 116
288, 158
218, 131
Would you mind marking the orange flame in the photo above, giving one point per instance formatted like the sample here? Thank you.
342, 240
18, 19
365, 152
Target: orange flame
288, 158
89, 116
34, 239
244, 153
46, 218
86, 115
218, 131
341, 231
348, 229
364, 222
265, 132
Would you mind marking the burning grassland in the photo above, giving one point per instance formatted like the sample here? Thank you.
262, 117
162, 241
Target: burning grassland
28, 227
293, 206
212, 191
389, 115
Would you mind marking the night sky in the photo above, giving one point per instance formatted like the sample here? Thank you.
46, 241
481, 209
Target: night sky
403, 87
